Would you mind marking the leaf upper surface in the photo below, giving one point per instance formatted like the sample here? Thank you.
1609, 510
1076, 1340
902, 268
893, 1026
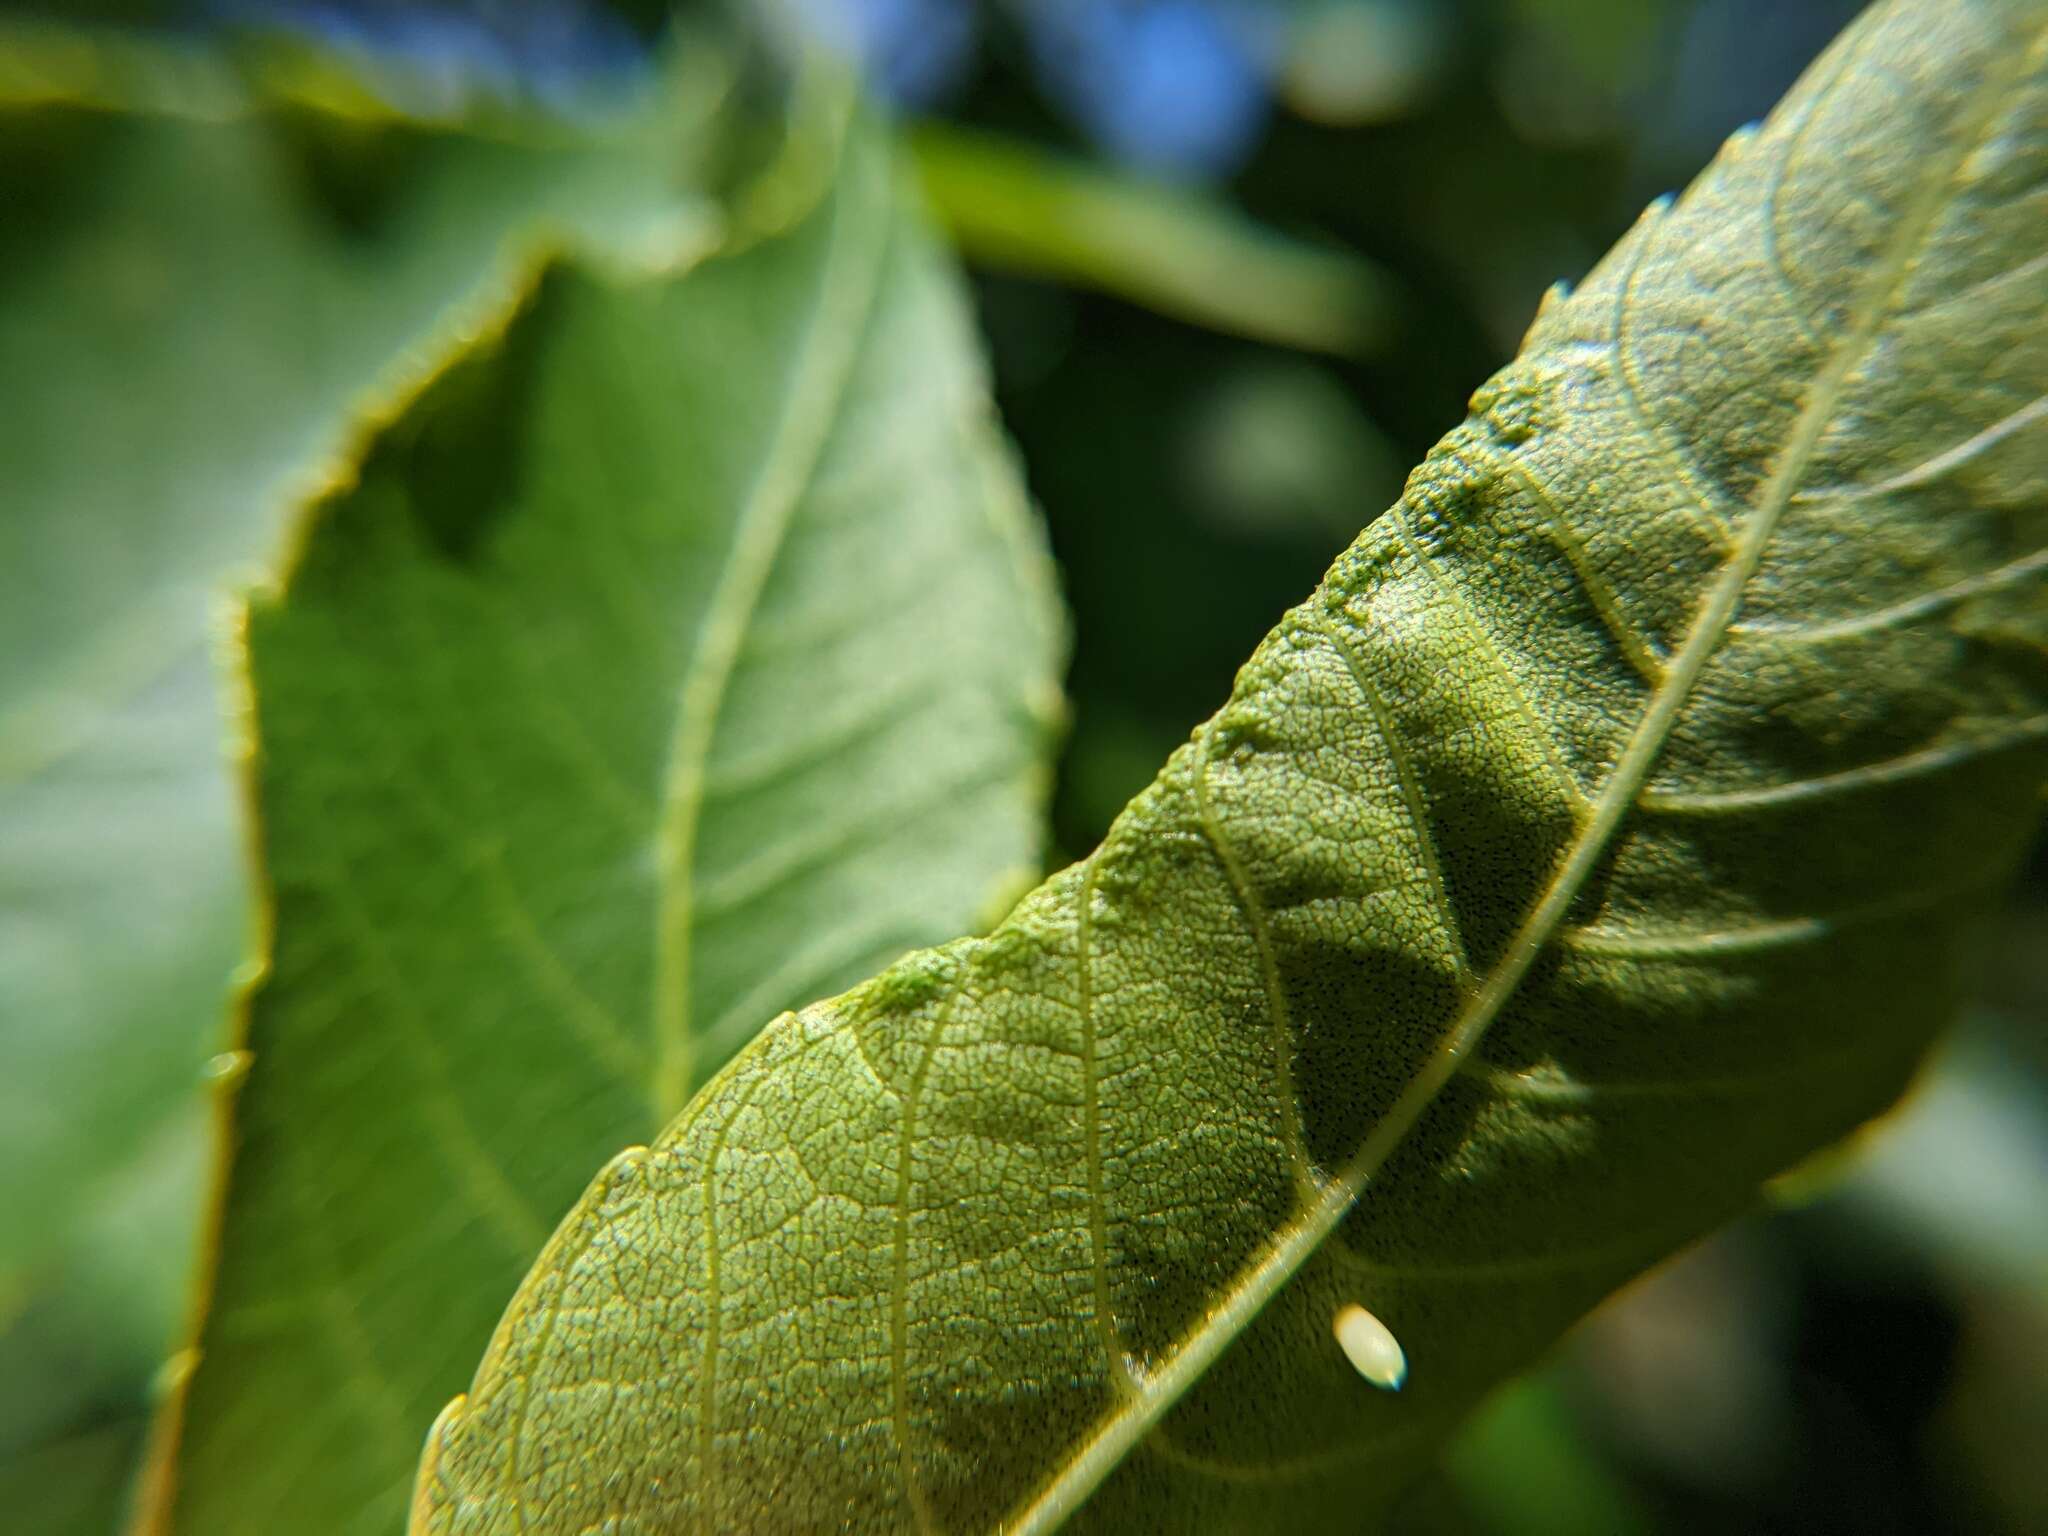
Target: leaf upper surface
190, 325
683, 652
1604, 834
201, 285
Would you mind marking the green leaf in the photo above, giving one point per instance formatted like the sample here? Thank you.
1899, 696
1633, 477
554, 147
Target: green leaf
192, 312
77, 1357
73, 1486
1606, 832
683, 653
1015, 208
204, 278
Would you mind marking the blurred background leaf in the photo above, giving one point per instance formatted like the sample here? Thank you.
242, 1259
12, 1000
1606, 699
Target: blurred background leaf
1012, 208
190, 320
198, 297
684, 654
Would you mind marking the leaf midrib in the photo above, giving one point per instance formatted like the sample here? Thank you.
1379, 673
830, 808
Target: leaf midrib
847, 291
1295, 1243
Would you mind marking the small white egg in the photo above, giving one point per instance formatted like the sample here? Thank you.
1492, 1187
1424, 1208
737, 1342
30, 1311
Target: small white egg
1371, 1346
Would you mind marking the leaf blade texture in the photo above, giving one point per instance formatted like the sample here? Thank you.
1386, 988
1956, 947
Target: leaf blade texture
1601, 837
684, 650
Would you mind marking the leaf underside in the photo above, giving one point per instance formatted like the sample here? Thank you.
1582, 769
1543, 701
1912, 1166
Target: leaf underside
684, 651
1602, 836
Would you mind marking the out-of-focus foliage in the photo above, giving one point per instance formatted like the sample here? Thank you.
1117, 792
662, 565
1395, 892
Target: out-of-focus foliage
1011, 209
195, 308
682, 654
205, 276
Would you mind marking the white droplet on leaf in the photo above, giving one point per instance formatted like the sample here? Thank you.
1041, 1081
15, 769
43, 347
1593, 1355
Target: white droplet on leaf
1371, 1346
